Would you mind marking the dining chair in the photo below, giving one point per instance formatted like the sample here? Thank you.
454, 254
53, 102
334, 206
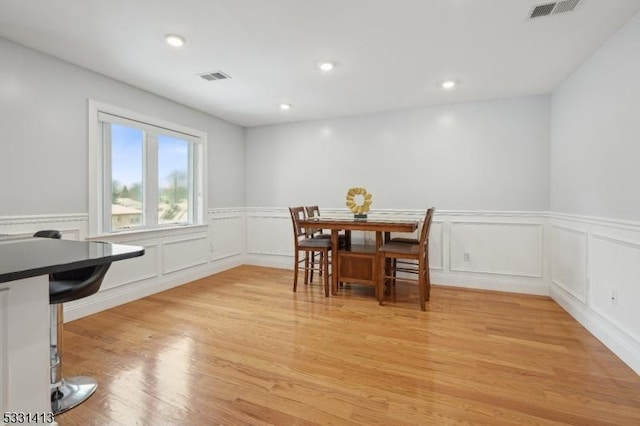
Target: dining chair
408, 258
404, 264
309, 246
314, 212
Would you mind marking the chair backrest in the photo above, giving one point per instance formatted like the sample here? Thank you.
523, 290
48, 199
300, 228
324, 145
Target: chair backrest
297, 214
48, 233
426, 227
313, 211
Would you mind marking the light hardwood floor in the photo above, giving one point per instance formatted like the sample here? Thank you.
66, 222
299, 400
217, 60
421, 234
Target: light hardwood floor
241, 348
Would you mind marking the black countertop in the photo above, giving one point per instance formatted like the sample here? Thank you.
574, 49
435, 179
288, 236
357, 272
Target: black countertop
27, 258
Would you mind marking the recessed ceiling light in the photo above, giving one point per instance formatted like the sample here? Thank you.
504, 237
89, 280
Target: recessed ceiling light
174, 40
285, 107
449, 84
326, 66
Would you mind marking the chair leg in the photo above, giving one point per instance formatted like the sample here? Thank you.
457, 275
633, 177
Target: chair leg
422, 285
325, 267
427, 275
321, 263
394, 265
381, 278
306, 267
313, 265
295, 271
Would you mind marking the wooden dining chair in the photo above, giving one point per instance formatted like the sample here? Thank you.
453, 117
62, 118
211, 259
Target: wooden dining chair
309, 246
417, 254
314, 212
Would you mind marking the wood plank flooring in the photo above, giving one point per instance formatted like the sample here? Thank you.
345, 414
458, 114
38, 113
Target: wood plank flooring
240, 348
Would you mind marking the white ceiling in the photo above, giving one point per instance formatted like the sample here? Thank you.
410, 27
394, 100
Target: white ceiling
389, 54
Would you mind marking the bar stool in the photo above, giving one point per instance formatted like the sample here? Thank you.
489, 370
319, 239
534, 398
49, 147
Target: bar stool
65, 287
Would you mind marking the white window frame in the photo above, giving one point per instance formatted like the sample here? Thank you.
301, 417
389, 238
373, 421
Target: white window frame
100, 200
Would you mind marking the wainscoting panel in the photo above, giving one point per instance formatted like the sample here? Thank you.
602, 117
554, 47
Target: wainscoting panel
72, 226
583, 262
132, 270
569, 260
607, 251
615, 281
227, 233
436, 246
506, 249
497, 248
185, 253
269, 232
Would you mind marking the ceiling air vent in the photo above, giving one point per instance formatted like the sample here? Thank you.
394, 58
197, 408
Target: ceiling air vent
212, 76
553, 8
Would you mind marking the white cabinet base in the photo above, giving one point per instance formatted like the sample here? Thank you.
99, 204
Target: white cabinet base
24, 346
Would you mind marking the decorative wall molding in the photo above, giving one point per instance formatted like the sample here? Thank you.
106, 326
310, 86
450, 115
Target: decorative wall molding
578, 287
269, 243
43, 219
134, 270
574, 263
233, 211
495, 247
184, 253
72, 226
148, 234
599, 221
614, 267
436, 235
620, 241
132, 291
227, 233
599, 288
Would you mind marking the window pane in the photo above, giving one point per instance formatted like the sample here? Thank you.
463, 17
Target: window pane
174, 194
126, 177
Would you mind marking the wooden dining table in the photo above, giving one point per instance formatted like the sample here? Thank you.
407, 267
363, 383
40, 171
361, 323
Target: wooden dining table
357, 263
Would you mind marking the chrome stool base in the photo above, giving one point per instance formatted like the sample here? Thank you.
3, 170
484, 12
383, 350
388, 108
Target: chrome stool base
72, 392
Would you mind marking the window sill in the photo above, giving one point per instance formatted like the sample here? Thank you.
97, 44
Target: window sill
147, 234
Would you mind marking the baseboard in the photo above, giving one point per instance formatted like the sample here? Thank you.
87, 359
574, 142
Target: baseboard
269, 261
110, 298
491, 284
437, 277
619, 342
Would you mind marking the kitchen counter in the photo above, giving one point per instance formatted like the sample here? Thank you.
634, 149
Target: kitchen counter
26, 258
25, 265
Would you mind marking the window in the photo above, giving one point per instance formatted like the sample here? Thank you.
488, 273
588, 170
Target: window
149, 173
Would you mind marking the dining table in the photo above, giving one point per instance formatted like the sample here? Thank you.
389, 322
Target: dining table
356, 263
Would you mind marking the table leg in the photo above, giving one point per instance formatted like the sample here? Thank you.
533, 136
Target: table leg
334, 261
388, 262
376, 269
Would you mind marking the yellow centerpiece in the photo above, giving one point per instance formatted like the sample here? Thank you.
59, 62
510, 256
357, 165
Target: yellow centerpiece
359, 201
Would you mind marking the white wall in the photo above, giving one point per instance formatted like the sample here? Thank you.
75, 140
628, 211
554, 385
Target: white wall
595, 227
477, 156
44, 146
520, 205
483, 165
44, 174
595, 132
